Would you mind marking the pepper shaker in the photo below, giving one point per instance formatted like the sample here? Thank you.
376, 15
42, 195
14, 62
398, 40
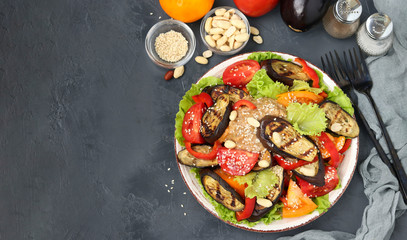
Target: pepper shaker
342, 18
375, 36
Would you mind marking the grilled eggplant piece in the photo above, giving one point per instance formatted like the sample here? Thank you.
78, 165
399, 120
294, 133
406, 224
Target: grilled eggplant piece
279, 136
284, 72
216, 119
339, 121
235, 94
186, 158
264, 162
275, 193
219, 190
313, 173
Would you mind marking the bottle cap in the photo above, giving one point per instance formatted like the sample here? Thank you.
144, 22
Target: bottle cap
379, 26
348, 11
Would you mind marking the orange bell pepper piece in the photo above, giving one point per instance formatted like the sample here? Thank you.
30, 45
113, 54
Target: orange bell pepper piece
299, 97
297, 203
230, 179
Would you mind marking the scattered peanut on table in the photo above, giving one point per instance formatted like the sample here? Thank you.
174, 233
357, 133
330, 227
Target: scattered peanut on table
179, 71
168, 75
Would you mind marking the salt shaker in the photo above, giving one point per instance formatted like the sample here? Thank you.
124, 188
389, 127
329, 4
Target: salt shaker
375, 36
342, 18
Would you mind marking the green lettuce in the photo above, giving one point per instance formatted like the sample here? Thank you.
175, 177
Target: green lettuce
336, 95
304, 86
261, 85
258, 183
307, 119
230, 216
260, 56
187, 102
323, 203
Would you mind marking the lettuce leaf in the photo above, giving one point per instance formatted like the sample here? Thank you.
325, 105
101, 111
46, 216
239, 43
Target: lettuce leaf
260, 56
323, 203
187, 102
258, 183
307, 119
261, 85
338, 96
304, 86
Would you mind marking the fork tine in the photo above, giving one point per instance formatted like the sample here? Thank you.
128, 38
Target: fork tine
358, 65
323, 64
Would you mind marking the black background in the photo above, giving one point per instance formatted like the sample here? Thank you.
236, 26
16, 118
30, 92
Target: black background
87, 122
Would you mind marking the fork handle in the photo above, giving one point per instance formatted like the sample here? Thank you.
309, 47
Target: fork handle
393, 169
396, 160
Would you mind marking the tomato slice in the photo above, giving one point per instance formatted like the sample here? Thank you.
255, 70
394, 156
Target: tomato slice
243, 102
309, 71
235, 161
240, 73
207, 156
203, 97
291, 165
331, 181
249, 204
192, 124
297, 203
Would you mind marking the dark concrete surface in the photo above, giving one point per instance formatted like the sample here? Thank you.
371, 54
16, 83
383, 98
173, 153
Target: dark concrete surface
87, 122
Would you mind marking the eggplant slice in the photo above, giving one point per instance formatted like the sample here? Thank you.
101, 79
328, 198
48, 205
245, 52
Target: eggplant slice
279, 136
275, 193
186, 158
339, 121
284, 71
216, 119
235, 94
264, 162
313, 173
219, 190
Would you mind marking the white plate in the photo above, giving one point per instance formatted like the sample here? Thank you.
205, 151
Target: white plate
345, 170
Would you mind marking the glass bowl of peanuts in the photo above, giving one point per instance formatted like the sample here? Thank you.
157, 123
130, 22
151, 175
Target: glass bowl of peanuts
225, 30
170, 43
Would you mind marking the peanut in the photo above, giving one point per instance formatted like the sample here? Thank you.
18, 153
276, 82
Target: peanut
168, 75
179, 71
201, 60
258, 39
254, 31
207, 54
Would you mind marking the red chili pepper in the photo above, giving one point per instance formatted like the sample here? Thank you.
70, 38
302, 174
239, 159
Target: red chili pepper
203, 97
331, 148
206, 156
249, 204
309, 71
290, 165
243, 102
346, 146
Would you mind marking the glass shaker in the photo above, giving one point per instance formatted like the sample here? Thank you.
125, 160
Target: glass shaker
342, 18
375, 36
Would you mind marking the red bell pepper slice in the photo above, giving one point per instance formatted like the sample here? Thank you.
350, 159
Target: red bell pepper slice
331, 148
243, 102
236, 162
309, 71
203, 97
206, 156
291, 165
249, 204
331, 181
346, 145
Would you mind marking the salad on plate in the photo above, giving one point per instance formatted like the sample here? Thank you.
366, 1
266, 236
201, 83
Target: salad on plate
264, 141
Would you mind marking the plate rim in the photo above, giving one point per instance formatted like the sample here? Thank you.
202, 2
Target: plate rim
311, 217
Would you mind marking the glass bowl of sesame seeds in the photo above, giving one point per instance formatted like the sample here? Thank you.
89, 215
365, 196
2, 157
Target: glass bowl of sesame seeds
170, 43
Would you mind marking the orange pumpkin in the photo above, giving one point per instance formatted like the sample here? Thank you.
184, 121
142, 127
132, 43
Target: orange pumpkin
186, 10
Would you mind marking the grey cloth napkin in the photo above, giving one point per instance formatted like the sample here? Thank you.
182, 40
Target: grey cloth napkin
389, 74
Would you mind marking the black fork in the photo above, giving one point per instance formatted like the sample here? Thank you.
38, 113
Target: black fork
342, 76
